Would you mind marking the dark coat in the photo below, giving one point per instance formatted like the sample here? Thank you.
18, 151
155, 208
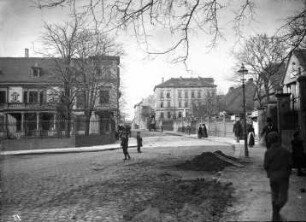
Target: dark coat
277, 163
237, 129
139, 140
266, 130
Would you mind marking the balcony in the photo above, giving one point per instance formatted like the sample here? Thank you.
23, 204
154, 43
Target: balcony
26, 106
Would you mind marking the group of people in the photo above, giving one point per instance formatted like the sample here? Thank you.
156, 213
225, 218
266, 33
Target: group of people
202, 131
238, 131
125, 143
278, 162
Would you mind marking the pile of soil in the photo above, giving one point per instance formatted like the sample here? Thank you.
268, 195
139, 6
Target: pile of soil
207, 161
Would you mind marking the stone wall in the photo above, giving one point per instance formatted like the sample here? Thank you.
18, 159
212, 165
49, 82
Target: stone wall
50, 143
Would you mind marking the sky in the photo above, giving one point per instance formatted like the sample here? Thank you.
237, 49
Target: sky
21, 25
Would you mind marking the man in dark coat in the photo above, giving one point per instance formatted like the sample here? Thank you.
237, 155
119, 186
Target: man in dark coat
237, 129
298, 153
124, 145
139, 142
277, 163
267, 129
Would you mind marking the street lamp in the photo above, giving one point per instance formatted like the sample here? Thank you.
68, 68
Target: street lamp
244, 71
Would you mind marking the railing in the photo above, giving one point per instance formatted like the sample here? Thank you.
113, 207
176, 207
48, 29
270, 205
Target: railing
25, 106
61, 128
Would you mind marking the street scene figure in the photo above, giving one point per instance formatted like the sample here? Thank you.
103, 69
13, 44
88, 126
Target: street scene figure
277, 163
298, 155
139, 142
200, 132
204, 131
124, 145
188, 130
266, 130
251, 135
237, 129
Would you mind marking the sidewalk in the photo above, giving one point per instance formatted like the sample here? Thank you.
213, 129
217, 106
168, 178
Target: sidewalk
253, 190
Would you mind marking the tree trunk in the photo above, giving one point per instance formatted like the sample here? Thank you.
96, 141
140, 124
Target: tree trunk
87, 122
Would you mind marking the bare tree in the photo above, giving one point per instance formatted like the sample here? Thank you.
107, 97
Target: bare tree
206, 107
59, 43
81, 66
264, 56
180, 18
293, 32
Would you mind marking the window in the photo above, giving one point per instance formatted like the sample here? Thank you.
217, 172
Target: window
161, 115
180, 114
199, 94
2, 97
180, 104
161, 104
168, 104
104, 96
186, 94
168, 95
41, 97
186, 104
161, 94
79, 101
36, 72
33, 97
168, 115
25, 97
192, 94
180, 94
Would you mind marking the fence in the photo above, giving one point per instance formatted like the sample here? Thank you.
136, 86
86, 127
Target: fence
57, 128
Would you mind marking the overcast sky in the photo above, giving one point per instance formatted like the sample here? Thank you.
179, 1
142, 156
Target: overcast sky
21, 25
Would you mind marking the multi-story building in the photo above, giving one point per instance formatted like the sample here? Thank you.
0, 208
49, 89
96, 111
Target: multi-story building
176, 97
28, 103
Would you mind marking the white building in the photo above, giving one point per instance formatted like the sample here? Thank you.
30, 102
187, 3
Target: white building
175, 97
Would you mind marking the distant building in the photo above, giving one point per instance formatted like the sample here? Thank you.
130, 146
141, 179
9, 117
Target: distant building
28, 99
176, 97
144, 110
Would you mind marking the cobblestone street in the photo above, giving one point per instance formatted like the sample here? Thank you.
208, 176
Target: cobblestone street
94, 186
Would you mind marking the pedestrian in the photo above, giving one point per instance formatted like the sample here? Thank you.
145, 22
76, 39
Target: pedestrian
268, 129
204, 131
124, 145
188, 130
297, 153
251, 135
200, 132
237, 129
277, 163
139, 142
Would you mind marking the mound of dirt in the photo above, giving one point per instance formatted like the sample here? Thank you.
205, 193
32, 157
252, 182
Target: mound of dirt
207, 161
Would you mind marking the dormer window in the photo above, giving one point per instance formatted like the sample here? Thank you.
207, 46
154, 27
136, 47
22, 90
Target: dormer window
36, 72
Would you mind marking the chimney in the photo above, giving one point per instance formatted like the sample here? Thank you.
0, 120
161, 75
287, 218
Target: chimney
26, 52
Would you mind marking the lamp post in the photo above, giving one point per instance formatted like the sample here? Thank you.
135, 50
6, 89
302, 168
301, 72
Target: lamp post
244, 71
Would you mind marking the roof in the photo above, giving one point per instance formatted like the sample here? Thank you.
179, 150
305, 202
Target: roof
187, 83
301, 55
19, 69
233, 99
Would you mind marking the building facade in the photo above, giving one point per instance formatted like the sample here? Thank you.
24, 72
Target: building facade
30, 92
176, 97
143, 111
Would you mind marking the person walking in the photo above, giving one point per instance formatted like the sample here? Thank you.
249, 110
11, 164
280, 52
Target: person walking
277, 163
139, 142
124, 145
237, 129
251, 135
200, 132
204, 131
268, 129
297, 153
188, 130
